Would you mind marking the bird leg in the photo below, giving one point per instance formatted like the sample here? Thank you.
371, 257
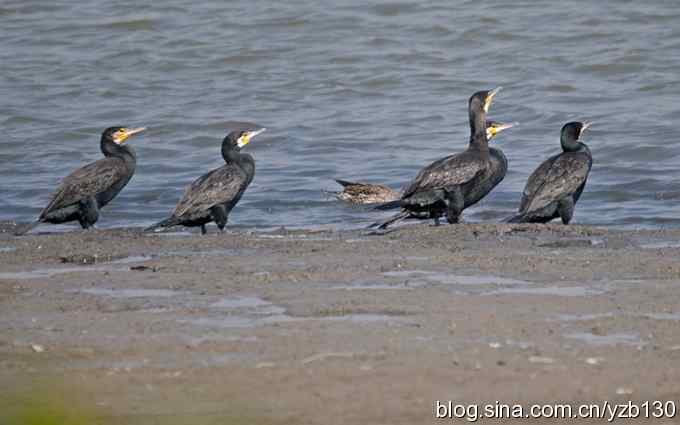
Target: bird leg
203, 229
455, 203
219, 214
565, 208
88, 212
436, 199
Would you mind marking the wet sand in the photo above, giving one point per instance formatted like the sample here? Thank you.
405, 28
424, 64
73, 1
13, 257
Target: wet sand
326, 327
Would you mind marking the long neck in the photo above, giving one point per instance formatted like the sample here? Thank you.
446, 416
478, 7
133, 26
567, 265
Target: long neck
571, 144
230, 153
478, 140
242, 160
247, 164
126, 153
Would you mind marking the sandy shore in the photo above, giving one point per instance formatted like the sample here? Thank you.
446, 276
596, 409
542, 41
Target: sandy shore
338, 327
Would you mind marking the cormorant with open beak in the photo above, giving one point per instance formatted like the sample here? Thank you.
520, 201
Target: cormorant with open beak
368, 193
449, 185
88, 189
557, 184
212, 196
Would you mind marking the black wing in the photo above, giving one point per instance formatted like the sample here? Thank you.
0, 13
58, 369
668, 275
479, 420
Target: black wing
86, 182
535, 182
216, 187
450, 171
561, 177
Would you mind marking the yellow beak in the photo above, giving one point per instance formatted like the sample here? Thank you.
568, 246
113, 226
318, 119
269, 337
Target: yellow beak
493, 130
122, 135
248, 136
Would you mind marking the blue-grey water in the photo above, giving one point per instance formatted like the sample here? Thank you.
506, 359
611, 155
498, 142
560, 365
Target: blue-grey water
355, 89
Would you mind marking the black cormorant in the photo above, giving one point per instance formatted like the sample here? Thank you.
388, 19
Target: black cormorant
212, 196
85, 191
556, 185
368, 193
451, 184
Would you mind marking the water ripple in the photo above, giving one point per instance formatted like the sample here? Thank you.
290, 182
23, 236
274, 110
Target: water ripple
368, 91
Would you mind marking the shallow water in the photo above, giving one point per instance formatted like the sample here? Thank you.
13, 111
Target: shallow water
49, 272
353, 89
111, 266
130, 293
583, 317
207, 253
660, 245
559, 291
250, 321
609, 339
416, 277
371, 286
663, 316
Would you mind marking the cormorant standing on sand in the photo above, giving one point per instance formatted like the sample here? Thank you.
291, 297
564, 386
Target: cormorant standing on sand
88, 189
368, 193
556, 185
212, 196
451, 184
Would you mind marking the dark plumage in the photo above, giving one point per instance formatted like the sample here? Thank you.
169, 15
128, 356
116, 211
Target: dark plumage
451, 184
498, 162
556, 185
212, 196
368, 193
88, 189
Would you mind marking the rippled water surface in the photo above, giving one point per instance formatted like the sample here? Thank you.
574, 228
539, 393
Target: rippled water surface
353, 89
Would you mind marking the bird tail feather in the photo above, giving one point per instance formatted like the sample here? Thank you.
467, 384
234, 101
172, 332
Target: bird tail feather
168, 222
519, 218
394, 219
23, 229
345, 183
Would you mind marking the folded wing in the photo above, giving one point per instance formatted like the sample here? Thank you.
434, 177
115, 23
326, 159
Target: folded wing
555, 179
216, 187
86, 182
450, 171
